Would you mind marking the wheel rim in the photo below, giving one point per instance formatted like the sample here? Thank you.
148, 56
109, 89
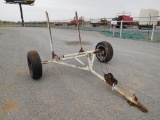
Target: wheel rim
102, 56
30, 67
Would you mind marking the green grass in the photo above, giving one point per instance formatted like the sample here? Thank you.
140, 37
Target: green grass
132, 36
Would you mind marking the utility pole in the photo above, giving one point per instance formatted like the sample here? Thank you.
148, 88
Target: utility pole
20, 6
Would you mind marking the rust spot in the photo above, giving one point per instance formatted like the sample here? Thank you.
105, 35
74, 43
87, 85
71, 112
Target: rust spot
97, 51
81, 50
110, 79
77, 42
8, 107
53, 55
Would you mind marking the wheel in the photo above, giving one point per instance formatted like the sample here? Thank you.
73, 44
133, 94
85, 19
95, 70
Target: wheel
34, 64
125, 26
107, 51
139, 27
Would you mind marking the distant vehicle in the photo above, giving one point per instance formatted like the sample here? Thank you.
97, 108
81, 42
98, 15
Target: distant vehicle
126, 17
147, 18
98, 22
58, 24
74, 22
21, 1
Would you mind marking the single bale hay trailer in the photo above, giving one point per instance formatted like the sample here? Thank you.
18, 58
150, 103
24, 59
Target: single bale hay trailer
103, 51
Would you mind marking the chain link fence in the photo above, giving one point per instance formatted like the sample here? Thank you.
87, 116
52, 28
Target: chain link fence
103, 25
149, 32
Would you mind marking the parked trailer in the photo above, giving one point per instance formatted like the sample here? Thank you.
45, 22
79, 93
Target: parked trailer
147, 18
98, 22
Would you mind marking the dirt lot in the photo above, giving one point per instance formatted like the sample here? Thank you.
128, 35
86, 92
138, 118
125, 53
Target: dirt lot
65, 93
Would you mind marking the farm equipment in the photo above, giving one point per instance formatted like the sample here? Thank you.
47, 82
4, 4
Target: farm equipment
126, 19
58, 24
74, 22
103, 51
99, 22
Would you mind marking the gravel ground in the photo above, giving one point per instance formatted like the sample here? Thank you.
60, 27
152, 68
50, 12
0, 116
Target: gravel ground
65, 93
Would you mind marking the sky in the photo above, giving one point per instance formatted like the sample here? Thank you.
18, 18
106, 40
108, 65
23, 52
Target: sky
65, 9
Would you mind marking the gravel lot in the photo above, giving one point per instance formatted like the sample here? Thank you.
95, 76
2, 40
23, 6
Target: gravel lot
65, 93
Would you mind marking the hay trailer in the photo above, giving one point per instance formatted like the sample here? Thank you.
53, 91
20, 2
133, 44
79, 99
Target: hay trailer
103, 51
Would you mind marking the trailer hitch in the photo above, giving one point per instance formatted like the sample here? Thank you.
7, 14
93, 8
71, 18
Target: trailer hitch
132, 101
137, 104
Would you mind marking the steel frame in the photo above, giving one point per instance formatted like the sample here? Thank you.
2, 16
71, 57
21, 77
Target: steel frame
90, 56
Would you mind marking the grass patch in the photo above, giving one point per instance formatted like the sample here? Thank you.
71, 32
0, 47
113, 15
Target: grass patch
132, 36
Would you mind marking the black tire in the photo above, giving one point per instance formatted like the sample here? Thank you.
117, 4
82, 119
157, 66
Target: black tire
34, 64
107, 50
139, 27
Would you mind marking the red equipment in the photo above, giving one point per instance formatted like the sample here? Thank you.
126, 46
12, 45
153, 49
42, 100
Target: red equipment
58, 24
127, 20
73, 22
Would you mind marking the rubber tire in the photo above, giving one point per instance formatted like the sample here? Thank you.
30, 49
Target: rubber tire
139, 27
34, 64
108, 51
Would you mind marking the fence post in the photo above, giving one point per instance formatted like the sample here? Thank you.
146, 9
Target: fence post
121, 28
114, 29
110, 27
90, 23
153, 30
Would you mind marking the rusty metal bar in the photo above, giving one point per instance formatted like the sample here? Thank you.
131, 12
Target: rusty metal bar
134, 101
50, 36
79, 34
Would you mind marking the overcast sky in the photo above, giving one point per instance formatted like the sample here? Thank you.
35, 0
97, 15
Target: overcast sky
65, 9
